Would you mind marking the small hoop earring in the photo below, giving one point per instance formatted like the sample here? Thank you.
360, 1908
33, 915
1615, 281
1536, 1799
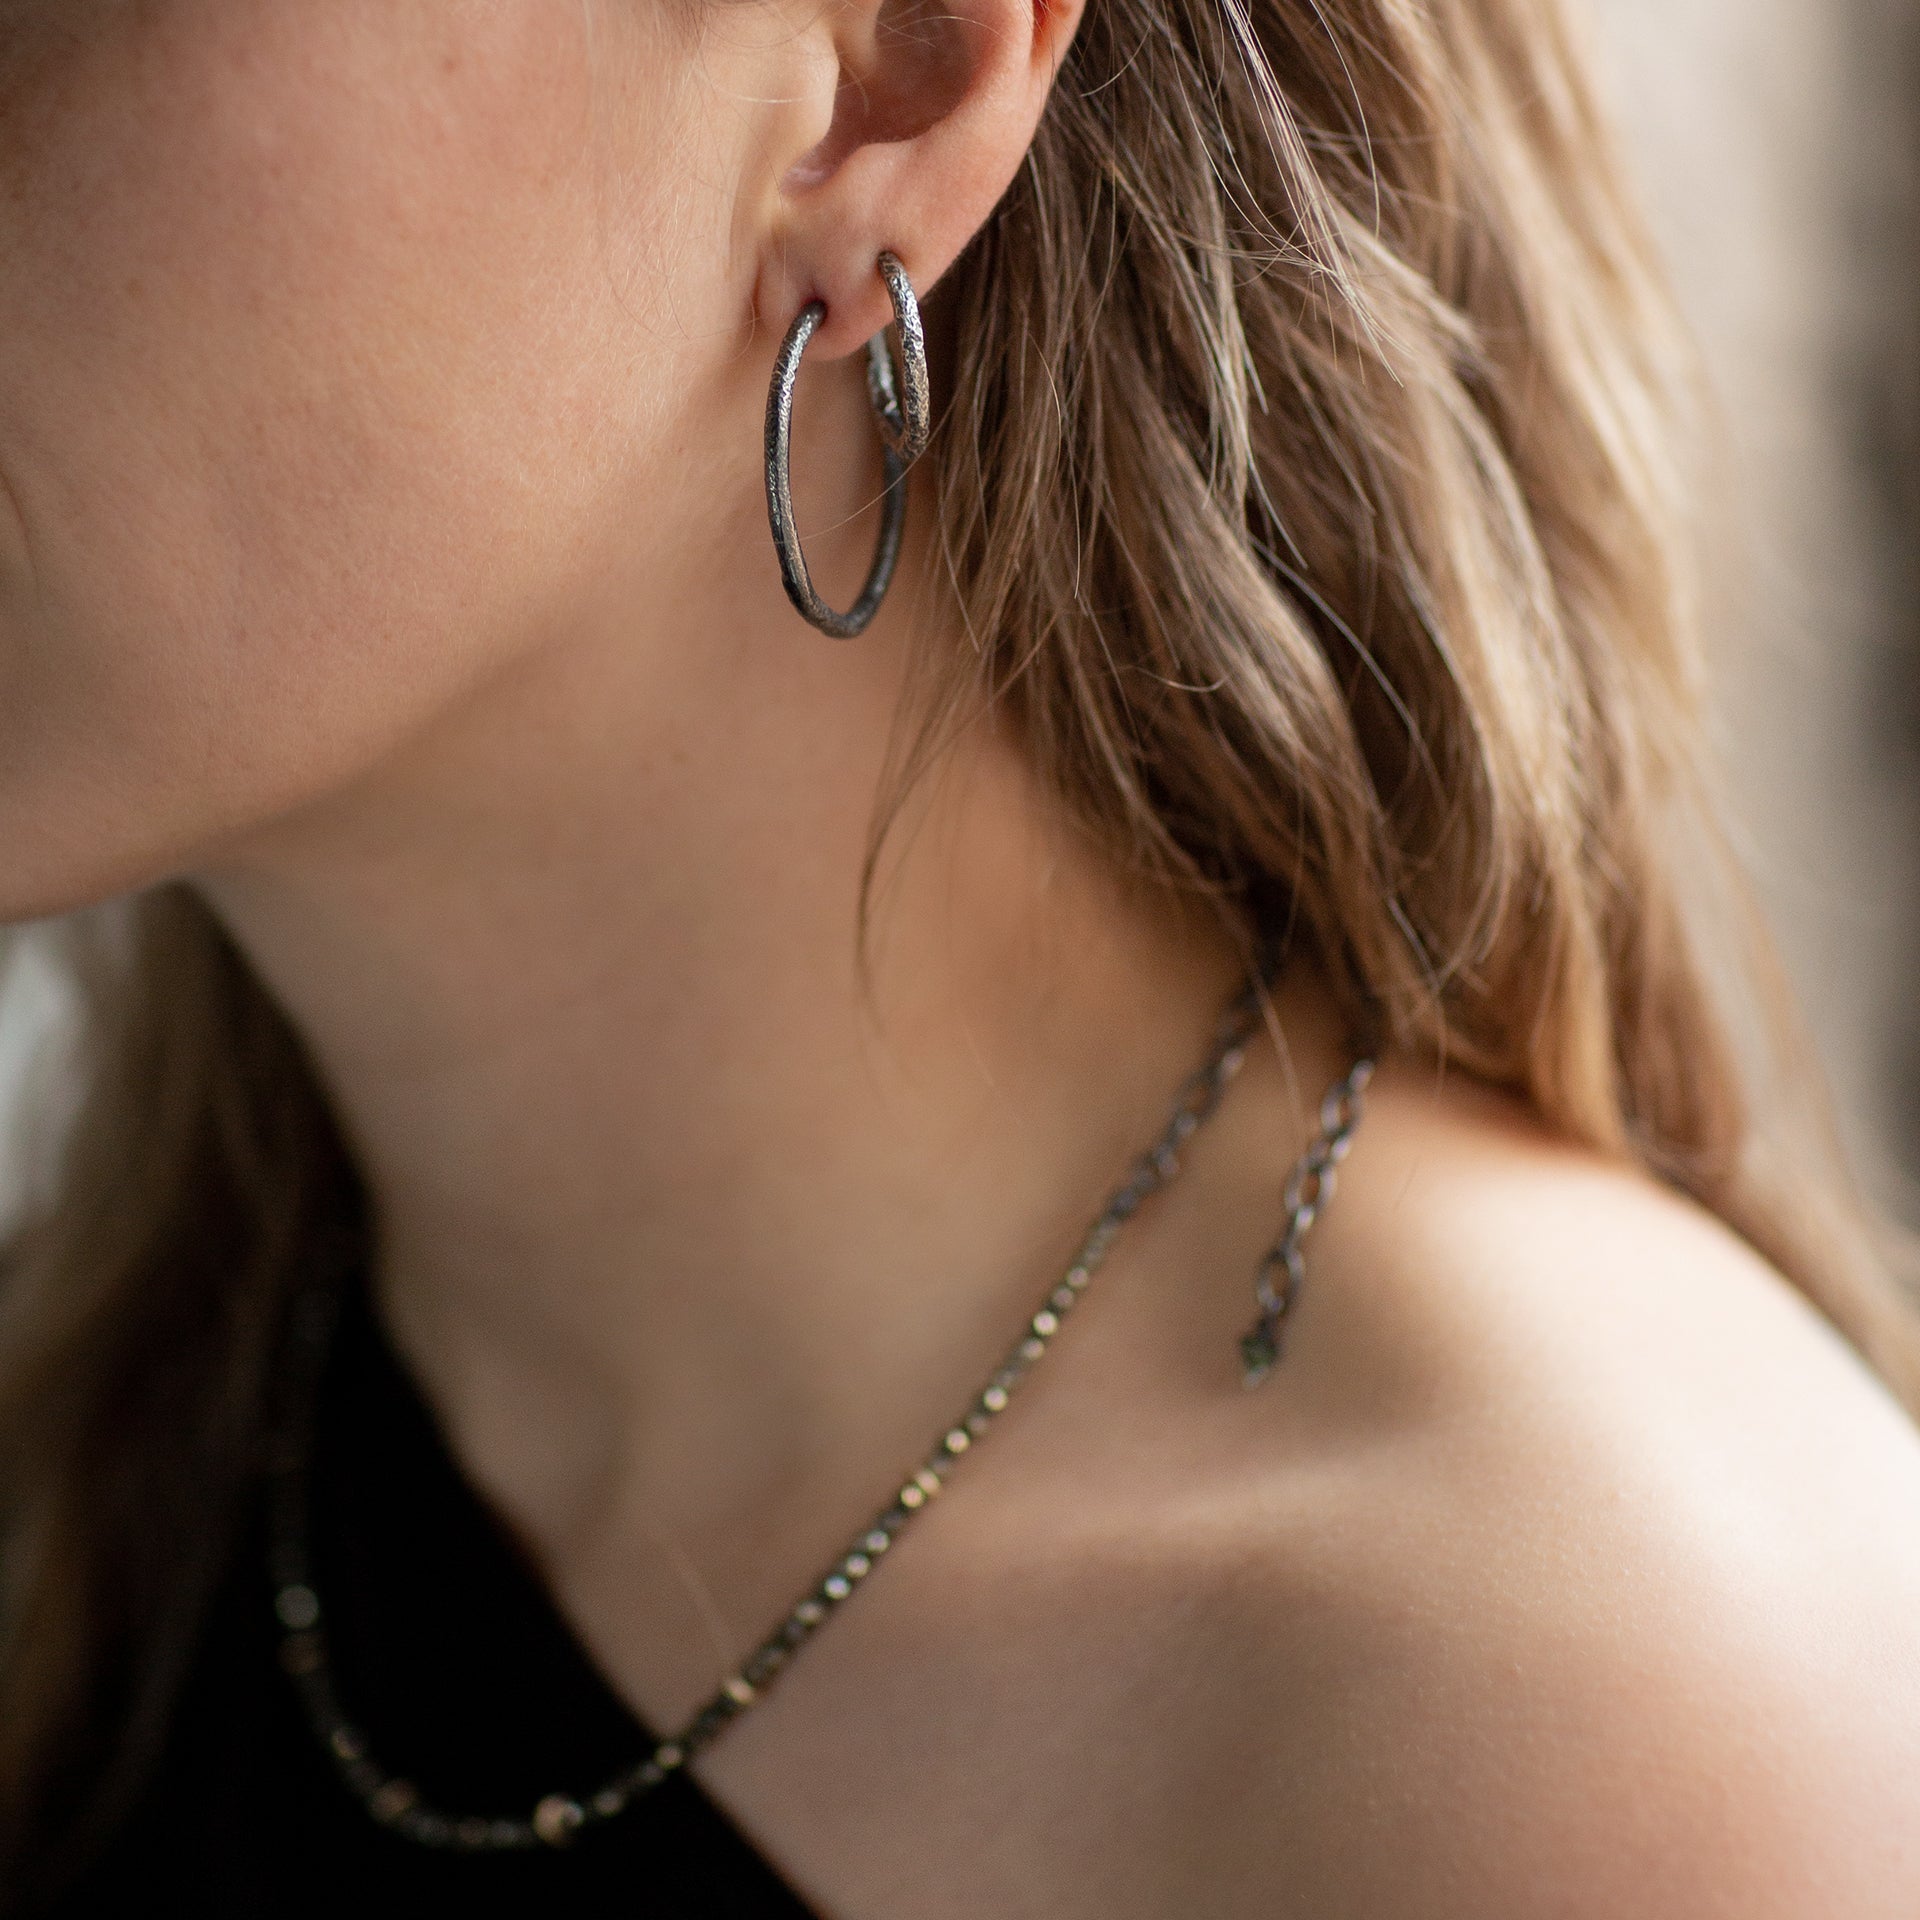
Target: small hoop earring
901, 409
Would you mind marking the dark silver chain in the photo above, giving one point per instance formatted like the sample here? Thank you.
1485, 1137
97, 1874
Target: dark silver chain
1310, 1185
397, 1803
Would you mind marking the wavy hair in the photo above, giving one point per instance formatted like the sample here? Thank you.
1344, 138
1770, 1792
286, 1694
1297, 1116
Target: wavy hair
1312, 485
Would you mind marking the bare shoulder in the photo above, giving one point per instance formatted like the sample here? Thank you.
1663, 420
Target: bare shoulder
1574, 1565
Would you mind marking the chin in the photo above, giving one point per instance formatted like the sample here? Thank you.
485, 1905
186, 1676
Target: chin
62, 855
48, 895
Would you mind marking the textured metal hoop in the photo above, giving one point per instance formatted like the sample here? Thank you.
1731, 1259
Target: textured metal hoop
902, 410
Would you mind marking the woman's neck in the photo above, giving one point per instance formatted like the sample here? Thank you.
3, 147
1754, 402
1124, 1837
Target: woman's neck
678, 1191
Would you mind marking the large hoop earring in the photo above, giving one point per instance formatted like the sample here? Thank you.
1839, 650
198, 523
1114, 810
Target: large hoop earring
902, 408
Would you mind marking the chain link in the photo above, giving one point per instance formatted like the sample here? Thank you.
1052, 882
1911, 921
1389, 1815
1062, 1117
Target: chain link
1309, 1189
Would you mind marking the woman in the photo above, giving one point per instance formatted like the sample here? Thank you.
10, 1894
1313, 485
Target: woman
591, 1075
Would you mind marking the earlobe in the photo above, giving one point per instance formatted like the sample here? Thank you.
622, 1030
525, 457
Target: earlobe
934, 107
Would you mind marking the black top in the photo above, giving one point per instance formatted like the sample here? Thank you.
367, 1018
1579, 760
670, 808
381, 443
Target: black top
447, 1650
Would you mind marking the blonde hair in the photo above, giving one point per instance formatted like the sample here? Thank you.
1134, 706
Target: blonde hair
1310, 491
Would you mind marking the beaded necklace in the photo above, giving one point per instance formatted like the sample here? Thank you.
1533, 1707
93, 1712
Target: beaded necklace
560, 1817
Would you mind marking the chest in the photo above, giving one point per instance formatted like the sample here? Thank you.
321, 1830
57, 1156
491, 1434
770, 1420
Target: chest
974, 1737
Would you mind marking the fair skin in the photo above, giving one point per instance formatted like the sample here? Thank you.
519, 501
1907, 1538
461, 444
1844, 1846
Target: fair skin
386, 555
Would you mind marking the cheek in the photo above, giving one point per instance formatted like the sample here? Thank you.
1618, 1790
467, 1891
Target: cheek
315, 391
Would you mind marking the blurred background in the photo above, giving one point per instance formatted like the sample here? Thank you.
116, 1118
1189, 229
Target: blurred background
1778, 148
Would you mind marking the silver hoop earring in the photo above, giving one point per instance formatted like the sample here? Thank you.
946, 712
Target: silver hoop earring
901, 409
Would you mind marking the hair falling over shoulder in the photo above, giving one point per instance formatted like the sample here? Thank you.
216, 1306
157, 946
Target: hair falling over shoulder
1311, 481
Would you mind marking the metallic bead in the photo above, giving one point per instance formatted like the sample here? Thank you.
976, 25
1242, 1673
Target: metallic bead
302, 1654
913, 1495
741, 1691
958, 1441
927, 1481
978, 1423
1046, 1323
670, 1754
557, 1819
994, 1399
347, 1744
298, 1607
1077, 1278
1032, 1349
836, 1586
810, 1613
707, 1722
857, 1566
766, 1663
1061, 1298
1259, 1352
879, 1540
608, 1802
393, 1799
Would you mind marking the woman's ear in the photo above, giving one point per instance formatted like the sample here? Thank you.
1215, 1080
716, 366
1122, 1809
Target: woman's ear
933, 105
